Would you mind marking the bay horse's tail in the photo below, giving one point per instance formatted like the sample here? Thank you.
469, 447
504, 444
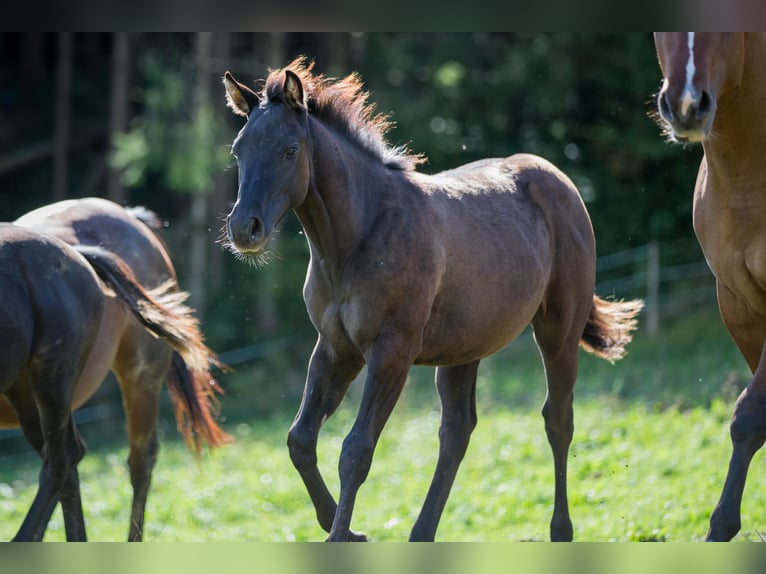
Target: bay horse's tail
610, 327
163, 313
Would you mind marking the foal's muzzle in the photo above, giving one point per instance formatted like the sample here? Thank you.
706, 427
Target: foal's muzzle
246, 233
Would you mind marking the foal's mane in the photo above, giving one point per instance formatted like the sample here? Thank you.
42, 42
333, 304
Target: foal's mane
344, 105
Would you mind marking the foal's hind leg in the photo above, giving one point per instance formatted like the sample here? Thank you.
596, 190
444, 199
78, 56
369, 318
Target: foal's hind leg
141, 367
457, 392
559, 349
561, 373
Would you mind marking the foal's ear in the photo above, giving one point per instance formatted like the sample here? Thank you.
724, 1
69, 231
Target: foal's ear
241, 99
292, 90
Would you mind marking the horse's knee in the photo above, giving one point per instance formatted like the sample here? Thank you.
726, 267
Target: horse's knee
78, 450
142, 460
455, 433
355, 459
302, 448
748, 424
558, 424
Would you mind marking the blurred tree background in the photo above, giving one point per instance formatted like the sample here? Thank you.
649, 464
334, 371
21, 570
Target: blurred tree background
141, 118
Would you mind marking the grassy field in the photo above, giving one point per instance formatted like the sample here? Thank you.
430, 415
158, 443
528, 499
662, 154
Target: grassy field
647, 462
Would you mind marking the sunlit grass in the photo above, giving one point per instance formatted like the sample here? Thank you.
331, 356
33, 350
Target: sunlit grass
635, 474
647, 461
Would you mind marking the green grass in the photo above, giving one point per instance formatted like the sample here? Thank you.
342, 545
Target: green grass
647, 461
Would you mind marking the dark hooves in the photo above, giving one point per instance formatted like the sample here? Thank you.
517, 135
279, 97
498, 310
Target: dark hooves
353, 537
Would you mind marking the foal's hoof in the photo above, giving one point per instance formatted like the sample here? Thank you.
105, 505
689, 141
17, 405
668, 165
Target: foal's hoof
352, 537
724, 525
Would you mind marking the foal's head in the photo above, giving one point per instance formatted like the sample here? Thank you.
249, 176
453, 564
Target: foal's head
273, 149
272, 156
697, 68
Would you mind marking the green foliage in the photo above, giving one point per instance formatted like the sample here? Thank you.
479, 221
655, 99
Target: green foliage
579, 99
173, 136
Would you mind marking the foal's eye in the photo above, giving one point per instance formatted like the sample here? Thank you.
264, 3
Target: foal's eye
290, 152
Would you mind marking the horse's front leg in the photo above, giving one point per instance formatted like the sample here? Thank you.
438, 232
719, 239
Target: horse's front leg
327, 382
748, 433
748, 424
387, 369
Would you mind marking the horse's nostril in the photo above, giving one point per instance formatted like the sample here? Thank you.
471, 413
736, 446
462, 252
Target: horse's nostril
664, 105
705, 104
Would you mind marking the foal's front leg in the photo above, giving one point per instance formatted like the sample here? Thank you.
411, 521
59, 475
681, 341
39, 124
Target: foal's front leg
387, 370
327, 381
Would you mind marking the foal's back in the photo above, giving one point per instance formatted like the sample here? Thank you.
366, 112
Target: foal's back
513, 231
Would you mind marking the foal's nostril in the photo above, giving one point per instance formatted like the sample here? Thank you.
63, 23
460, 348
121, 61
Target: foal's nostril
256, 229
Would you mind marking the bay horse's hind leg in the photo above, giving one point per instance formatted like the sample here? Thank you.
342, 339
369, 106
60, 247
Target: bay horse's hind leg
560, 355
457, 392
141, 367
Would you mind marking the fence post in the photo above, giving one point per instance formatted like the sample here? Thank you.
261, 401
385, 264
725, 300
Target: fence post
653, 287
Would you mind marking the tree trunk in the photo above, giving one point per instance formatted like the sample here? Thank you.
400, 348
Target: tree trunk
200, 201
118, 108
63, 119
32, 59
224, 182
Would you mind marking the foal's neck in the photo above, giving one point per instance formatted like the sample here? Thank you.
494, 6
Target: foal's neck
340, 203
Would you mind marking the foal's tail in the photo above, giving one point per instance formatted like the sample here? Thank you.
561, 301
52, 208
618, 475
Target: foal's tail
163, 312
609, 328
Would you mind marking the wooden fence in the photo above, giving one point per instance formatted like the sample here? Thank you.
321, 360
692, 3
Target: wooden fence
671, 277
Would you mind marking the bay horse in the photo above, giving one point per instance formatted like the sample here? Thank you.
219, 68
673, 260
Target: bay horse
125, 344
407, 268
713, 92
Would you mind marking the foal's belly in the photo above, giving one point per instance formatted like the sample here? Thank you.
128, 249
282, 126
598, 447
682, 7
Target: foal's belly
446, 343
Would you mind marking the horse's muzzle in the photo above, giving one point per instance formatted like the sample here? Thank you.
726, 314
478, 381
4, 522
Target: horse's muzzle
689, 116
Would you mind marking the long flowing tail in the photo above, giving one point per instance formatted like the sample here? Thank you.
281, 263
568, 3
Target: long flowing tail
163, 312
610, 327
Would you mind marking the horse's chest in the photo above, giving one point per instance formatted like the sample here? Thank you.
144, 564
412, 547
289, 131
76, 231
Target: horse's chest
738, 263
733, 239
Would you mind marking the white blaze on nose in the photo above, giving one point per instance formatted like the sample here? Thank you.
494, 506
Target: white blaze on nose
688, 96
